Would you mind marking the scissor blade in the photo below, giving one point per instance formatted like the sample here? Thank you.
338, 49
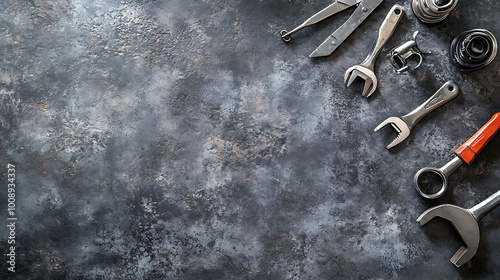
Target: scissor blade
332, 9
364, 9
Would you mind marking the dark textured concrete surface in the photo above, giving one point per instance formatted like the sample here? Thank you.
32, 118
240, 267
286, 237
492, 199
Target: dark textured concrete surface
185, 140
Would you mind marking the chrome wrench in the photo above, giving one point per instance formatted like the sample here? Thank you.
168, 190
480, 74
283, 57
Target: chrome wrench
465, 153
465, 221
404, 124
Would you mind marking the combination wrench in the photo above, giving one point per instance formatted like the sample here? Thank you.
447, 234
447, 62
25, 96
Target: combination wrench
465, 153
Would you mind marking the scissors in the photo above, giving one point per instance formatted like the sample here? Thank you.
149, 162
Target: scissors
364, 9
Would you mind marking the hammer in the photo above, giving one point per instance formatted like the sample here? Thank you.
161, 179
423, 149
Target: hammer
465, 222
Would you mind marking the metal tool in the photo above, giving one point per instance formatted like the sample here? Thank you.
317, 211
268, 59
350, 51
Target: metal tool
364, 9
432, 11
465, 153
400, 55
365, 70
465, 222
332, 9
404, 124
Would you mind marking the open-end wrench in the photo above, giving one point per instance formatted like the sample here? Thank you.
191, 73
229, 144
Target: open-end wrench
404, 124
465, 222
465, 153
364, 9
365, 70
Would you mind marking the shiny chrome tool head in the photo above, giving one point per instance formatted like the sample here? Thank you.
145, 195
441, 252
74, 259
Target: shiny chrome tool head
365, 70
422, 185
432, 11
464, 222
366, 74
400, 126
401, 54
330, 10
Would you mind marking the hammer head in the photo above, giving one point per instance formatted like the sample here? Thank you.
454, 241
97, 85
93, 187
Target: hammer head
464, 222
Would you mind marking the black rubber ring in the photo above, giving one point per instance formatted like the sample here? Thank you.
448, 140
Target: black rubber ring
473, 49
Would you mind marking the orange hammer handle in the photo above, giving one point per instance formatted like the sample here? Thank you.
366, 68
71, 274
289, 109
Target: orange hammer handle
469, 150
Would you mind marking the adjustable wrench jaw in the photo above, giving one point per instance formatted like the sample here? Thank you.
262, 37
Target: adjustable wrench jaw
464, 222
400, 126
366, 74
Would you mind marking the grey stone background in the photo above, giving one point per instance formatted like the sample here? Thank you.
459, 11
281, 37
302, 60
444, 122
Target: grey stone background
185, 140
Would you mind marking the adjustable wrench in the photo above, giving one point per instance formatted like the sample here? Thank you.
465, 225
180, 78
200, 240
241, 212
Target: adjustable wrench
365, 70
465, 222
404, 124
465, 153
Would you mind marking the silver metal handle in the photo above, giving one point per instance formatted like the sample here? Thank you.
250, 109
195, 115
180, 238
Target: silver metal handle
384, 33
364, 9
486, 206
446, 93
319, 16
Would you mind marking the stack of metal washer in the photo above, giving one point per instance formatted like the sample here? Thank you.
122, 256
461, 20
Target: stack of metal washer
432, 11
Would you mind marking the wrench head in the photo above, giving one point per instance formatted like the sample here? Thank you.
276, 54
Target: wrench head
400, 126
366, 74
465, 224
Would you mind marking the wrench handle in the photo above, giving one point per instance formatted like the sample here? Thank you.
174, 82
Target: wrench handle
445, 93
384, 33
485, 206
469, 150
